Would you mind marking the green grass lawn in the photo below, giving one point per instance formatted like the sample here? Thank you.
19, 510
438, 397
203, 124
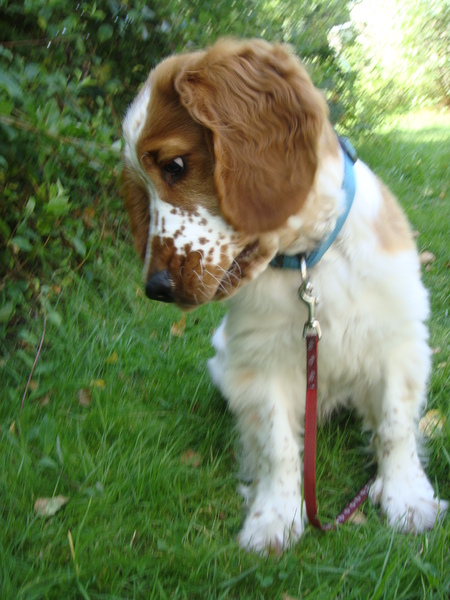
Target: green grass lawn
121, 418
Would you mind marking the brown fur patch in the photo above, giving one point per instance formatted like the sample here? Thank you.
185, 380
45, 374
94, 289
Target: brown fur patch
392, 228
137, 205
266, 119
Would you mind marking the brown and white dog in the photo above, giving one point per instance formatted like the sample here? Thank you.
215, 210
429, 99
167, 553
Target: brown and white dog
229, 161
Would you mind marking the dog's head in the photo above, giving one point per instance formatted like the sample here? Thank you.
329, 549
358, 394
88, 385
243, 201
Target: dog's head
221, 148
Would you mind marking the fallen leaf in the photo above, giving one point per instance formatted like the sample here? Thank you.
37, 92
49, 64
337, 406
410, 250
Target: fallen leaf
84, 397
47, 507
192, 458
33, 385
44, 401
358, 518
179, 327
427, 257
432, 423
56, 289
112, 359
99, 383
89, 211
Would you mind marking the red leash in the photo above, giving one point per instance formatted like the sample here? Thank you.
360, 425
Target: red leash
312, 335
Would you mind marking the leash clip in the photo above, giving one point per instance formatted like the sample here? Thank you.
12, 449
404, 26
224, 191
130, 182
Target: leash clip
306, 294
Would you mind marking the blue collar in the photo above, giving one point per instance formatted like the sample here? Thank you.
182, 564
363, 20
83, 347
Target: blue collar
349, 186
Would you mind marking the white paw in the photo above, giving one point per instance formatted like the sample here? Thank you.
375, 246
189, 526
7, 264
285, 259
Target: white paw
409, 503
273, 526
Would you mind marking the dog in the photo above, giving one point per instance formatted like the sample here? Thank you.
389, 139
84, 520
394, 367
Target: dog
230, 163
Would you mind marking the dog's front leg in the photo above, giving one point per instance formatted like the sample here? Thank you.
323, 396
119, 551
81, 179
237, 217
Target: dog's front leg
271, 446
402, 487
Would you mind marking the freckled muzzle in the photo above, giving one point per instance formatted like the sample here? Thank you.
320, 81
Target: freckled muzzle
191, 280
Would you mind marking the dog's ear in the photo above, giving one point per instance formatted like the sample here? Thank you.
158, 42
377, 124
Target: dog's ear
266, 118
137, 206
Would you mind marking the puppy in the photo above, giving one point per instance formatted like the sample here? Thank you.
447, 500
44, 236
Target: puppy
231, 165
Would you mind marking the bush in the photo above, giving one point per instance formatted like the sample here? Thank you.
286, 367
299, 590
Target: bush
65, 80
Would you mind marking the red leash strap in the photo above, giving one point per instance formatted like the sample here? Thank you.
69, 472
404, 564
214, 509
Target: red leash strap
312, 334
309, 465
309, 458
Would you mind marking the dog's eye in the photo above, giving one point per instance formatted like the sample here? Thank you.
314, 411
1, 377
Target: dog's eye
173, 169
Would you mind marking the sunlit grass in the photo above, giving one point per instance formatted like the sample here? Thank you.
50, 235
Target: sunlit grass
149, 465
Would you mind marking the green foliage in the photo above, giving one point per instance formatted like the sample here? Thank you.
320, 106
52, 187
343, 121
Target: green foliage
400, 55
302, 23
65, 80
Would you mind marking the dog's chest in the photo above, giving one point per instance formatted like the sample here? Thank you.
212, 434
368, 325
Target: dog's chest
264, 333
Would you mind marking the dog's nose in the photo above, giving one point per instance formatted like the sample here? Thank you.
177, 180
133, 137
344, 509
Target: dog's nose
159, 286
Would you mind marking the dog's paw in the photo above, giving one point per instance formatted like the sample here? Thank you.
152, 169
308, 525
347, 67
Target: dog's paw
408, 503
267, 529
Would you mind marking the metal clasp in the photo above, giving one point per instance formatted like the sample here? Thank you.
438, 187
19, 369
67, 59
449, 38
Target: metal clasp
306, 294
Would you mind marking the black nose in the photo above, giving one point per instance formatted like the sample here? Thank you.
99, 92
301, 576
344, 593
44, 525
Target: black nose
159, 286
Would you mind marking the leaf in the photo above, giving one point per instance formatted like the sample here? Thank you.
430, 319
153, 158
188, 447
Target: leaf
427, 257
99, 383
33, 385
44, 401
54, 317
89, 211
10, 85
431, 424
179, 327
105, 32
30, 206
84, 397
6, 312
112, 359
47, 507
358, 518
58, 206
191, 458
78, 245
19, 243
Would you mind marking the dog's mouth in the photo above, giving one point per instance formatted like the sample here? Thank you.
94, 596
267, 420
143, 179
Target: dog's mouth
239, 271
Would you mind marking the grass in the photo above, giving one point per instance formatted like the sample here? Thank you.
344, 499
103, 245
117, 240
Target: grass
147, 458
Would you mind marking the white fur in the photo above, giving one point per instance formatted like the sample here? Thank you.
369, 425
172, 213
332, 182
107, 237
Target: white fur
373, 355
133, 125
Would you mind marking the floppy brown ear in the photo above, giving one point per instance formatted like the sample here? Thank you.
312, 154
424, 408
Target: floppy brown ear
137, 206
266, 118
